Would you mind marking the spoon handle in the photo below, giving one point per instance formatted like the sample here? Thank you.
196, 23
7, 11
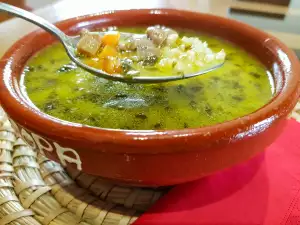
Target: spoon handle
30, 17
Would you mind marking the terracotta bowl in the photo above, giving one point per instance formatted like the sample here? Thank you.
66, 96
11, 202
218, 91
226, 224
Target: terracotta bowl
162, 157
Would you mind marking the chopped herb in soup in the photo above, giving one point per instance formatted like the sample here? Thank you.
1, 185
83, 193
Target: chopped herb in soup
61, 89
161, 48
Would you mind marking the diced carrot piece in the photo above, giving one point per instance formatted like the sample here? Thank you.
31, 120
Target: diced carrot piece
93, 62
118, 68
117, 65
110, 65
111, 38
108, 51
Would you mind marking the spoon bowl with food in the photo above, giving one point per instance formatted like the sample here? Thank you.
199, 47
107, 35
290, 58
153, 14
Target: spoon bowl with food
124, 57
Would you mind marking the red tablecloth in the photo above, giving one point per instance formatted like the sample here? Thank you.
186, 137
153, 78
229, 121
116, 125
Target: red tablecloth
262, 191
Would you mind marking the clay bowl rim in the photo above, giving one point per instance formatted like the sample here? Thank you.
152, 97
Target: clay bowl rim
27, 116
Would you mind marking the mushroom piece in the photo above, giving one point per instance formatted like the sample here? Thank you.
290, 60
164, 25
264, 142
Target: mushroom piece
172, 36
131, 43
126, 65
161, 36
89, 43
157, 35
147, 51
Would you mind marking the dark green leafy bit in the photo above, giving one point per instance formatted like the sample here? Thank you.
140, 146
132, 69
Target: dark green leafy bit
159, 100
51, 102
208, 109
229, 56
66, 110
126, 65
126, 128
29, 69
185, 125
258, 87
236, 85
151, 68
121, 95
141, 116
193, 104
216, 78
168, 108
183, 90
196, 88
179, 73
49, 106
67, 68
41, 67
213, 45
160, 88
79, 55
256, 75
51, 82
35, 68
92, 97
180, 88
150, 60
232, 84
235, 73
92, 120
220, 96
158, 126
77, 89
238, 98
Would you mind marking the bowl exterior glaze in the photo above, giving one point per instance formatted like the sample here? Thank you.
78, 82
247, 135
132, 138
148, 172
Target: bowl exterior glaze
163, 157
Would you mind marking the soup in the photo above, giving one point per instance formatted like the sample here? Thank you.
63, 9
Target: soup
59, 88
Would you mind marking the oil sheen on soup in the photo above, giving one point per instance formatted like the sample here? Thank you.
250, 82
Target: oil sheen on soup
61, 89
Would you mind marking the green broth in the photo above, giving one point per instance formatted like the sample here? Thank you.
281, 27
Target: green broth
61, 90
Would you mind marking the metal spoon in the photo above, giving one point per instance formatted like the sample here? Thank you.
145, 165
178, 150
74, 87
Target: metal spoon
70, 42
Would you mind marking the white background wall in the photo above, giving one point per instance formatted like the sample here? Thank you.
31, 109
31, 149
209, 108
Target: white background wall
35, 4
